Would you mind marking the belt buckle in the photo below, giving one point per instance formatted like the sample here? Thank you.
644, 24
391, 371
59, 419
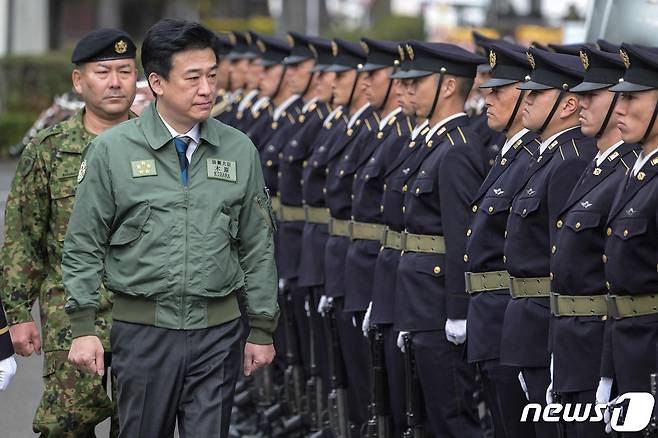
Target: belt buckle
613, 311
553, 299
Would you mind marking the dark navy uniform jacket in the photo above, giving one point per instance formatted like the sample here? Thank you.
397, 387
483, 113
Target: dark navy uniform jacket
367, 192
6, 348
341, 167
295, 152
430, 287
577, 266
314, 175
259, 129
228, 115
396, 173
244, 117
277, 135
531, 229
632, 269
485, 243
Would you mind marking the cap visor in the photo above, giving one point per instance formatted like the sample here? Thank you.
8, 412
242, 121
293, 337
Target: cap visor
484, 68
413, 74
295, 59
373, 67
498, 82
337, 68
624, 87
584, 87
531, 85
319, 67
266, 64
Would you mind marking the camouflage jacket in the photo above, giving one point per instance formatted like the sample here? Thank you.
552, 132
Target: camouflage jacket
36, 218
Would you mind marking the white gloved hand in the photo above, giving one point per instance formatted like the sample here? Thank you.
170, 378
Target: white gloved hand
400, 341
603, 392
456, 331
366, 321
524, 387
7, 371
323, 305
549, 390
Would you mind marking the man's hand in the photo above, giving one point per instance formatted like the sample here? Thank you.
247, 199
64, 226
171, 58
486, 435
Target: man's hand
400, 341
7, 371
257, 356
456, 331
26, 338
87, 354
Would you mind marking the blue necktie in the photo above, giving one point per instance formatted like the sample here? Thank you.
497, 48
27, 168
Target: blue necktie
181, 149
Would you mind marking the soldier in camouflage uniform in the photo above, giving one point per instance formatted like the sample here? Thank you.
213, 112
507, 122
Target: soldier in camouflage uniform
36, 219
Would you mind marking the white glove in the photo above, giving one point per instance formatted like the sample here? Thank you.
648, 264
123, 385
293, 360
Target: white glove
366, 321
400, 342
324, 305
7, 371
603, 392
549, 390
456, 331
524, 387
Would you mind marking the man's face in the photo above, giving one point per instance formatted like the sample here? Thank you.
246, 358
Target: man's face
270, 79
500, 102
594, 106
378, 86
634, 111
239, 69
223, 71
538, 105
343, 86
107, 87
189, 92
405, 97
254, 72
299, 75
423, 90
325, 85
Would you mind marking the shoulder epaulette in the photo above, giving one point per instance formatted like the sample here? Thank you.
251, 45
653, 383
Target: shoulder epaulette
575, 148
612, 156
318, 111
376, 117
462, 134
397, 126
425, 130
450, 139
562, 153
409, 126
528, 151
367, 124
625, 165
43, 134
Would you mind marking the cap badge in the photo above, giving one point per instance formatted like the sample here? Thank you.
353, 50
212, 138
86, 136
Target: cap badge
261, 45
248, 38
401, 51
492, 59
313, 50
120, 47
584, 59
531, 60
291, 40
365, 47
625, 58
410, 52
334, 48
232, 38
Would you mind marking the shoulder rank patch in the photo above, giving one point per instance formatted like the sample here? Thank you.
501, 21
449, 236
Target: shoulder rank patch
613, 156
424, 131
222, 169
142, 168
654, 161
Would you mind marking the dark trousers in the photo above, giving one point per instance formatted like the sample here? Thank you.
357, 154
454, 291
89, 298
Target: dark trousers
300, 322
319, 340
395, 378
586, 429
505, 399
167, 375
537, 381
448, 385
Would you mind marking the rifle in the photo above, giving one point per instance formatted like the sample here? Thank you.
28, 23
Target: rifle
314, 406
414, 396
651, 431
337, 399
378, 425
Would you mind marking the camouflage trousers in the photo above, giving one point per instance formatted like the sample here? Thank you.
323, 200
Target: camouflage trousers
73, 402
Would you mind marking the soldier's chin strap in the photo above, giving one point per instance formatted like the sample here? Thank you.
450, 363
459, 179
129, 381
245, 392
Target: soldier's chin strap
651, 123
356, 80
514, 111
388, 90
436, 97
278, 86
608, 115
552, 113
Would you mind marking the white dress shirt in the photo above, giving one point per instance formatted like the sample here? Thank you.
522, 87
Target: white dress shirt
193, 134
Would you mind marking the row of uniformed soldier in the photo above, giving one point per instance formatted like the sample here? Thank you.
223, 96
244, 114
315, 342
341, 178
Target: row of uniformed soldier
390, 217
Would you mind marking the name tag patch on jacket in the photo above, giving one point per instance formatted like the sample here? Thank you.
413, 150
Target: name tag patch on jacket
143, 168
222, 169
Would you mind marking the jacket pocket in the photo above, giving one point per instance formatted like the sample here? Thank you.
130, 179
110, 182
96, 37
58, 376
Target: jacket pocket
491, 205
629, 228
430, 264
131, 228
422, 186
62, 198
524, 207
221, 246
582, 220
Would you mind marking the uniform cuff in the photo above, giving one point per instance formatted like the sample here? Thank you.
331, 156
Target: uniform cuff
457, 306
261, 330
18, 315
83, 322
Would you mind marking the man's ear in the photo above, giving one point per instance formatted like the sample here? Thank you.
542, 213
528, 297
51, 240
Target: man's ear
570, 105
156, 83
76, 79
449, 86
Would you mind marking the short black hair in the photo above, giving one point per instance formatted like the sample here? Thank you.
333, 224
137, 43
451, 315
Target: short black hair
465, 86
170, 36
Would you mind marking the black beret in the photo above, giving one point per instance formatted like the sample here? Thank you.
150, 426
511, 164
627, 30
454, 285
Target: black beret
104, 45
